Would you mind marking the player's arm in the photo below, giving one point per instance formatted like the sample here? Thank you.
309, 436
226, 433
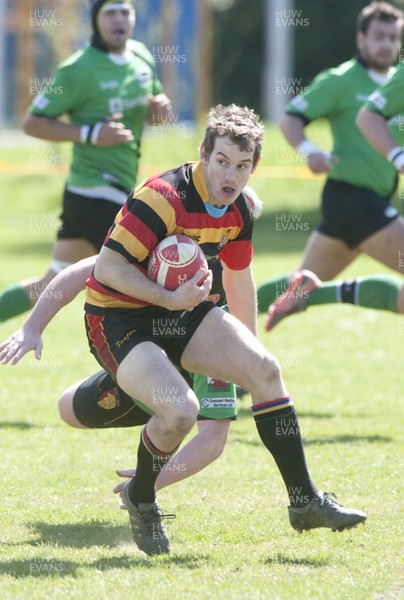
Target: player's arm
374, 127
58, 293
53, 130
109, 132
241, 295
292, 127
160, 109
114, 270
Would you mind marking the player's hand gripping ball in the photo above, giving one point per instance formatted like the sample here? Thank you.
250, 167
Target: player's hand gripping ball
175, 260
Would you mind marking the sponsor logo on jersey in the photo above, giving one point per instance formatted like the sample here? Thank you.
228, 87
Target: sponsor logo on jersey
218, 403
378, 100
300, 103
119, 104
108, 400
193, 236
143, 76
361, 97
108, 85
41, 102
225, 239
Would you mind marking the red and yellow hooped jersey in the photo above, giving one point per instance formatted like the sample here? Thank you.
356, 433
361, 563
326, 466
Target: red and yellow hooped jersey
170, 203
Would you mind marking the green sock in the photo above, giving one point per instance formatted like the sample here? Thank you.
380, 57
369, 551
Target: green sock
376, 291
13, 302
270, 290
327, 293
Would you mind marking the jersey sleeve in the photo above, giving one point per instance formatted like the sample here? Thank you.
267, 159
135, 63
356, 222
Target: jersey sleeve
238, 253
140, 49
142, 222
388, 100
60, 96
319, 100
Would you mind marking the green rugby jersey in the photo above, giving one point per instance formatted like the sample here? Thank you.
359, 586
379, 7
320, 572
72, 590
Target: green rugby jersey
89, 87
337, 94
388, 100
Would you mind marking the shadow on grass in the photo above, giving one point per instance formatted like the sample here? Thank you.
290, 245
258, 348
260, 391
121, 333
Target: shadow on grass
245, 412
54, 568
20, 425
337, 439
283, 559
79, 535
348, 439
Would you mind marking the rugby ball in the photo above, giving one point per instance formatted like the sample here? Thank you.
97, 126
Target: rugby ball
175, 260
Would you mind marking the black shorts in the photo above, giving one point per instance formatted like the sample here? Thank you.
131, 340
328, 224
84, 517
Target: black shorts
112, 333
351, 213
100, 403
88, 218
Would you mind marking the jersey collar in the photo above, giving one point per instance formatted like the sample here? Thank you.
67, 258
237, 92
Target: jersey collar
198, 175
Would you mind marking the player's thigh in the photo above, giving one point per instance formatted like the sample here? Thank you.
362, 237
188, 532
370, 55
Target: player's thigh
387, 245
326, 256
223, 347
149, 376
72, 250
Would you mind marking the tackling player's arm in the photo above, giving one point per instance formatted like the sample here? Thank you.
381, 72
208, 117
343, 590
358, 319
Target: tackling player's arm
114, 270
241, 295
60, 292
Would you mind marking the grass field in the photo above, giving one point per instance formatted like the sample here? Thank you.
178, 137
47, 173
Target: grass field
61, 532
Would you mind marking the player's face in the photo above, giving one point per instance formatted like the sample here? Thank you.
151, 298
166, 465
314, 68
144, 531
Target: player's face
116, 26
227, 170
380, 46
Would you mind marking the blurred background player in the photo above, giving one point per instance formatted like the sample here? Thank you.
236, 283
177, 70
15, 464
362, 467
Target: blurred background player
109, 91
357, 215
386, 102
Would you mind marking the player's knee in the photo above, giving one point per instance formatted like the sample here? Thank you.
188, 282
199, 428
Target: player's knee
267, 370
180, 418
66, 412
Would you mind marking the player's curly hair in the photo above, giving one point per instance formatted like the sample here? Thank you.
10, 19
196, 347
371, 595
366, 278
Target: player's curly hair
241, 124
382, 11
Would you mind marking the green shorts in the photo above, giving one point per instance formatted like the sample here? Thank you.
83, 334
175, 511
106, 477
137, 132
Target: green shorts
217, 398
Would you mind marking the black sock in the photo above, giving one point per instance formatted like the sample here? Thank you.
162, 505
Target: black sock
150, 461
280, 433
